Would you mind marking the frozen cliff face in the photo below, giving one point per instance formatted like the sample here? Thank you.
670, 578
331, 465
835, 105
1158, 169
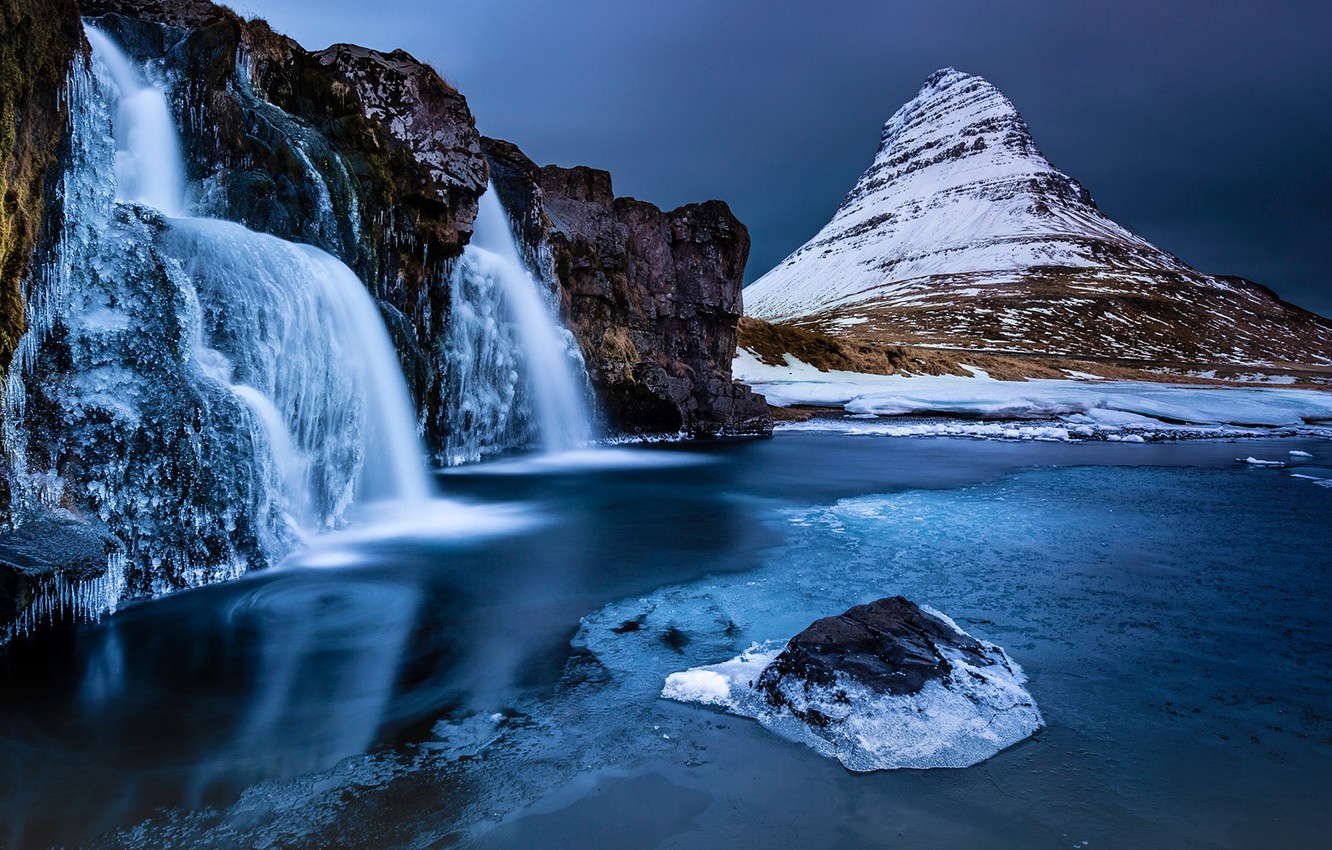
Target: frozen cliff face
961, 233
107, 413
653, 297
200, 394
38, 41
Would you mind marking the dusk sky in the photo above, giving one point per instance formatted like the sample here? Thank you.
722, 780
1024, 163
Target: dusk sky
1203, 126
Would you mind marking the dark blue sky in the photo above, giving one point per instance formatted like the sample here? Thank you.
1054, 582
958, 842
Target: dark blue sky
1203, 126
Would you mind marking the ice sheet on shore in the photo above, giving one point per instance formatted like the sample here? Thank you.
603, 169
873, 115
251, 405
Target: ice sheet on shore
1098, 406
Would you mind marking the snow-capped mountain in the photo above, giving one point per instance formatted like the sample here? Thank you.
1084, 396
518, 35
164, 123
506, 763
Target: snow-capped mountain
962, 234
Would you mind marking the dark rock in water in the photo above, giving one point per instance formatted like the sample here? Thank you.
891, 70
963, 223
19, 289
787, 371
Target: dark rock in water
653, 296
890, 646
885, 685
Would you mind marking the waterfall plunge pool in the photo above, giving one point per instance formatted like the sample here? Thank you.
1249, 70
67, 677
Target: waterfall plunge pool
1169, 605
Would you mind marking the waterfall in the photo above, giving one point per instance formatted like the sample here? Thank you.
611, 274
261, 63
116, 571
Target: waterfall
296, 335
516, 376
211, 394
296, 329
149, 166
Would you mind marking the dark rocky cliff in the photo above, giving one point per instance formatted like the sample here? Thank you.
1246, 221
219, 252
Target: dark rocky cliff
653, 296
39, 40
371, 156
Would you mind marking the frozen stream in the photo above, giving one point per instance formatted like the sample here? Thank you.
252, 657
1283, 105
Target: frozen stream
1169, 605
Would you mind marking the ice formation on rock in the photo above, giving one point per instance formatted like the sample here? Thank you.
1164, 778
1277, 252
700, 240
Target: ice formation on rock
884, 686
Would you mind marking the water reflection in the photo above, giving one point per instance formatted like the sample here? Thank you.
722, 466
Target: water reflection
328, 654
367, 638
373, 636
186, 701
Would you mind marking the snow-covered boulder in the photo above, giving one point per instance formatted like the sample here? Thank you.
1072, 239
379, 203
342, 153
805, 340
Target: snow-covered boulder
885, 685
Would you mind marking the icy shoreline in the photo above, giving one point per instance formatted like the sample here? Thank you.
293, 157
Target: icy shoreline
1037, 409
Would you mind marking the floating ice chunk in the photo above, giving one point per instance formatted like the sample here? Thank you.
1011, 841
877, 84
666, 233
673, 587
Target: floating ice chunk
466, 737
585, 461
1106, 416
714, 685
1253, 461
1298, 453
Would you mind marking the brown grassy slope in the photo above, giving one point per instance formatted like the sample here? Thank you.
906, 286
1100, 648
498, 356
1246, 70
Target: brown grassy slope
826, 352
771, 342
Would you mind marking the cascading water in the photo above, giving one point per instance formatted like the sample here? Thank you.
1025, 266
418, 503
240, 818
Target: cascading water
210, 393
297, 330
294, 333
516, 377
149, 166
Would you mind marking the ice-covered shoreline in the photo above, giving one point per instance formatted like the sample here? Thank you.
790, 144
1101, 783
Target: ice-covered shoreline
1042, 409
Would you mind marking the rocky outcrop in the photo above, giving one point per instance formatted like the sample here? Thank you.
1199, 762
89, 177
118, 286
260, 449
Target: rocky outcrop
116, 409
882, 686
375, 158
889, 646
38, 41
961, 234
653, 296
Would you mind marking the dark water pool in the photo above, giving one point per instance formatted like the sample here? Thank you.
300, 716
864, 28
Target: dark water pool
1170, 606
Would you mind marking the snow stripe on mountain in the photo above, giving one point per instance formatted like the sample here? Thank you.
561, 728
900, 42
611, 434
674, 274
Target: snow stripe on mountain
957, 187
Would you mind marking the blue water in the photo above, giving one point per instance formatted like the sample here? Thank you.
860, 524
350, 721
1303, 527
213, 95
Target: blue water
1170, 606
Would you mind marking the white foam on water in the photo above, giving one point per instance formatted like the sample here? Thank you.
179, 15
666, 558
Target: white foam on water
586, 460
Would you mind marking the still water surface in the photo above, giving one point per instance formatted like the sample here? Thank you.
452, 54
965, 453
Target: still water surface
1170, 606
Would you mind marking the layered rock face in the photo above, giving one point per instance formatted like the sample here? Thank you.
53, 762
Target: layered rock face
962, 234
653, 296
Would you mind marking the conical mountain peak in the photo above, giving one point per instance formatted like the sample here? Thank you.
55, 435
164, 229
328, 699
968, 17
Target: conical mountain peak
962, 234
959, 128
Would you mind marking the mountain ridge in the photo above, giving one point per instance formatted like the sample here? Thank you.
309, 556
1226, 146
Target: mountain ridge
961, 234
